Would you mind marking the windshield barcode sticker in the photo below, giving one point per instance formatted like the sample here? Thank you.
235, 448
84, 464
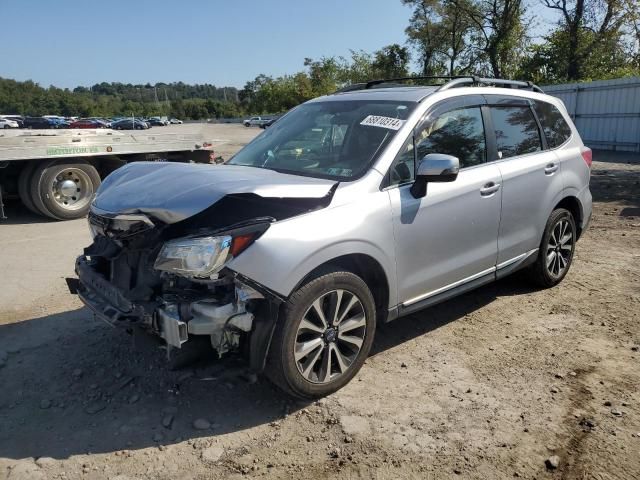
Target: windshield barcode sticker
383, 122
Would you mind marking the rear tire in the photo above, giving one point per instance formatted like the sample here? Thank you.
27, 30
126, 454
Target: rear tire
556, 250
311, 358
24, 187
63, 189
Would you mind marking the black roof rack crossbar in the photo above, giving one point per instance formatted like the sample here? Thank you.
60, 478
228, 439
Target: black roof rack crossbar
478, 81
453, 81
373, 83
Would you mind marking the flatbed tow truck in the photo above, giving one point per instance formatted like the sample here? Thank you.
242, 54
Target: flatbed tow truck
55, 173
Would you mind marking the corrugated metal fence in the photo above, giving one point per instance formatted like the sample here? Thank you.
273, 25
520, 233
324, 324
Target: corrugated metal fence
606, 112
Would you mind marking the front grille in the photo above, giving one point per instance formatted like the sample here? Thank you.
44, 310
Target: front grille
119, 227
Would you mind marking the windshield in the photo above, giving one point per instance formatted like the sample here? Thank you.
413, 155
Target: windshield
336, 139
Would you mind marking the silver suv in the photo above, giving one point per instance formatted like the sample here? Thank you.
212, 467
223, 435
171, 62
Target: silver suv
352, 210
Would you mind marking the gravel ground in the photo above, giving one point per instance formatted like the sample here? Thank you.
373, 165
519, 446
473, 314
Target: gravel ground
504, 382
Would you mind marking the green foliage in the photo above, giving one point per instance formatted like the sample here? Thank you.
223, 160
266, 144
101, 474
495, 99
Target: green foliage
457, 37
114, 99
581, 48
264, 94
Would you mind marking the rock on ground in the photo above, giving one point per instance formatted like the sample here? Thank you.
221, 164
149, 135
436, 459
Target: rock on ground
26, 470
201, 424
354, 425
212, 454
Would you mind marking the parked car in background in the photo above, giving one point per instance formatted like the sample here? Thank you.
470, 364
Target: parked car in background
6, 123
56, 121
39, 123
270, 122
255, 121
105, 121
155, 122
143, 120
19, 119
130, 124
175, 121
87, 123
59, 122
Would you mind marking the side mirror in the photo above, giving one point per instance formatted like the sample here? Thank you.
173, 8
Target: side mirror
434, 167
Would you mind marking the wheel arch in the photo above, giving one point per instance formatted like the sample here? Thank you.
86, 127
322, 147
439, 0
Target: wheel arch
368, 269
365, 266
574, 206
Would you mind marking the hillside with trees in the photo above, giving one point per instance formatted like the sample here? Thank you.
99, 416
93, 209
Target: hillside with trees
590, 40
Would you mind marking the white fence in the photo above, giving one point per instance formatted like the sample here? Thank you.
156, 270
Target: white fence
606, 112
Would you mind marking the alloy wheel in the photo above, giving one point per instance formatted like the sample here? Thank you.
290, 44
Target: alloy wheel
560, 248
330, 336
72, 188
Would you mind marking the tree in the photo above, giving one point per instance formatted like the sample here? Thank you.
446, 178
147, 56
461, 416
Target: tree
585, 24
324, 74
426, 35
441, 31
391, 61
499, 32
632, 14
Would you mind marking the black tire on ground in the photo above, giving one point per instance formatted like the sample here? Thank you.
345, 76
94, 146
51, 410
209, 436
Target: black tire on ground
24, 186
282, 367
42, 195
539, 272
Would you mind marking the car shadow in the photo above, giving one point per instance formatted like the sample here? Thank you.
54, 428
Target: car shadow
72, 384
425, 321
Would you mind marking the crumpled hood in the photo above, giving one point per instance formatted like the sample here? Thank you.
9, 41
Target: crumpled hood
172, 192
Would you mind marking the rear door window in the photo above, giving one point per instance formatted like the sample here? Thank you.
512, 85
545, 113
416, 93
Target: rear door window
555, 127
516, 130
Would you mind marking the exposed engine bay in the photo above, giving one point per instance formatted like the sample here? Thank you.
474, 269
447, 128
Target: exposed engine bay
171, 279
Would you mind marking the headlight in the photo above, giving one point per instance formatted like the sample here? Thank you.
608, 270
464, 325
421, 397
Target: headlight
201, 257
194, 257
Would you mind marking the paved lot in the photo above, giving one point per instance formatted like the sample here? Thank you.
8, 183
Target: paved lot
488, 385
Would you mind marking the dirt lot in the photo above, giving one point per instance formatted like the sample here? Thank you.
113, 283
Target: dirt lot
489, 385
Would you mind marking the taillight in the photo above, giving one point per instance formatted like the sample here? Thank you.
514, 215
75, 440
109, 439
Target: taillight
587, 156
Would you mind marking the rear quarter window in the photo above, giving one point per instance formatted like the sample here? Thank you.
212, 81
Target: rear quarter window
555, 127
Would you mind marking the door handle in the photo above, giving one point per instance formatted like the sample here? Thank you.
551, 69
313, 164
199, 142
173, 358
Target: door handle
550, 169
489, 189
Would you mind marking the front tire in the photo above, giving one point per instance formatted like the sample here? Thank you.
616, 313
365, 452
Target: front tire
323, 336
556, 249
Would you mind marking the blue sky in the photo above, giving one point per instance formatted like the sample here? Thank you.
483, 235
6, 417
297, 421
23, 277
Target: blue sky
225, 42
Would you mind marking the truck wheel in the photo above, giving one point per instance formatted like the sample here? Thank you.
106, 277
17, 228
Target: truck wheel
24, 187
556, 250
323, 336
63, 189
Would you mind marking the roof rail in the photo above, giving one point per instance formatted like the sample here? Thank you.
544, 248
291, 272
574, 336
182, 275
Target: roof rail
472, 81
374, 83
453, 81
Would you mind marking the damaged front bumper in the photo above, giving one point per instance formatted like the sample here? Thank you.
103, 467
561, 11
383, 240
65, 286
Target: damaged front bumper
176, 318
